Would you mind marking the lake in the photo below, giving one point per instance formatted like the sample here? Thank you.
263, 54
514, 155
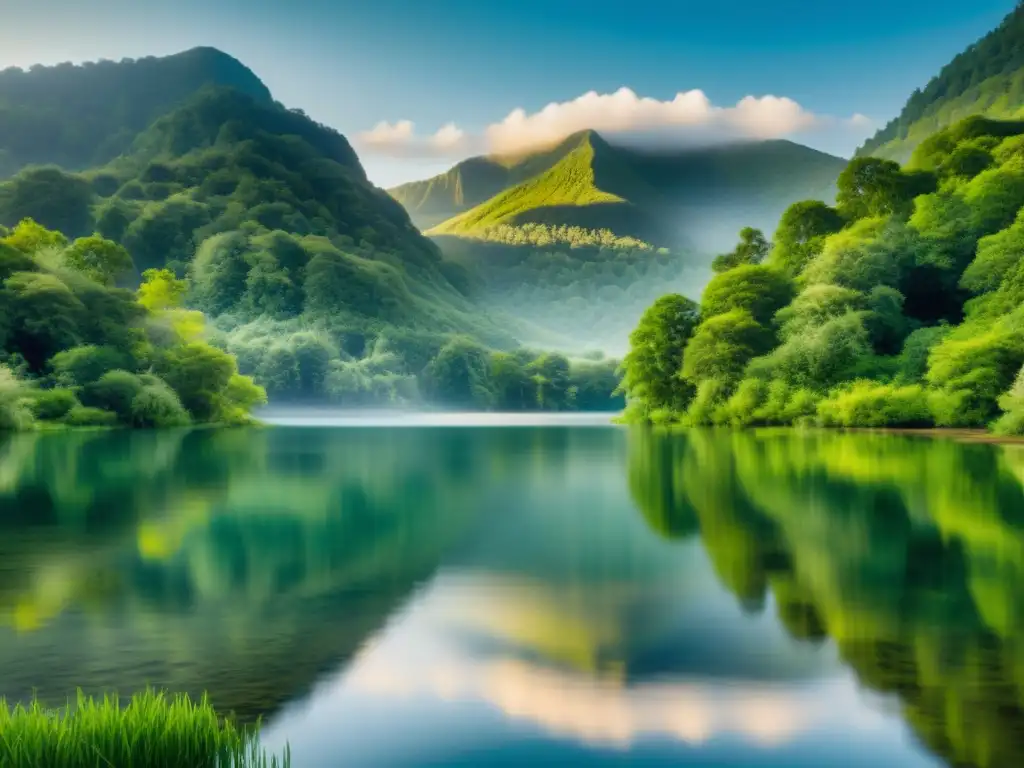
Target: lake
458, 592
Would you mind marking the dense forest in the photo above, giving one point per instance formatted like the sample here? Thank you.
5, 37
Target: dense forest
314, 280
78, 351
985, 79
901, 306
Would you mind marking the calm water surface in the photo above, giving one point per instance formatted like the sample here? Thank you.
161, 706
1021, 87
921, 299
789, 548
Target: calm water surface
552, 594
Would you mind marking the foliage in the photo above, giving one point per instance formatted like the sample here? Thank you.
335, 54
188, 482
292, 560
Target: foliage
881, 331
104, 355
652, 369
53, 404
86, 416
152, 729
752, 249
1012, 404
15, 399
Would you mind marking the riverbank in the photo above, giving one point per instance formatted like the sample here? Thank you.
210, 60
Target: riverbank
153, 729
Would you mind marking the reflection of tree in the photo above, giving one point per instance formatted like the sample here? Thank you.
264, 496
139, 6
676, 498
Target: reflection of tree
245, 563
908, 553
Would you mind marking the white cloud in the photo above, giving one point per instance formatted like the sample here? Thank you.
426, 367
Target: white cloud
689, 117
401, 140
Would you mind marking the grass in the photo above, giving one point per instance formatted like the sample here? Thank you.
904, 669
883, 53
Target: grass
153, 730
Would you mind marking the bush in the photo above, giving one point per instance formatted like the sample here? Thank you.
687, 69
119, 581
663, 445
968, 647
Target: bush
157, 405
115, 391
84, 416
15, 413
53, 404
870, 404
83, 365
1012, 404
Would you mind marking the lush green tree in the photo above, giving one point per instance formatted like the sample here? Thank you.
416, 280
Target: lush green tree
820, 357
53, 404
85, 364
757, 289
752, 249
459, 375
199, 374
722, 346
801, 234
550, 375
101, 259
513, 388
57, 200
870, 187
161, 290
29, 237
114, 392
44, 316
814, 306
651, 370
1012, 405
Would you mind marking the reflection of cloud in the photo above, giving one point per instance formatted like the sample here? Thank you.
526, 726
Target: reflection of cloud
690, 116
600, 711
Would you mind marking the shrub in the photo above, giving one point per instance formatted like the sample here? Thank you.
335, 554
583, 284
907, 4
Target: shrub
15, 413
870, 404
53, 404
83, 365
115, 391
84, 416
157, 405
1012, 404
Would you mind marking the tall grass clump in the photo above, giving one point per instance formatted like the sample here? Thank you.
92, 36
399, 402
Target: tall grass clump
153, 730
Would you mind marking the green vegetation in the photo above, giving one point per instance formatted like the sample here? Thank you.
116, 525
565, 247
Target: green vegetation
81, 117
902, 306
905, 553
75, 350
578, 297
263, 220
587, 192
985, 79
152, 730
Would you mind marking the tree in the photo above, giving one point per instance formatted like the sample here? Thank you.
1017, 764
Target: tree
752, 249
651, 369
161, 290
801, 234
723, 345
101, 259
758, 289
57, 200
43, 315
458, 374
199, 374
870, 186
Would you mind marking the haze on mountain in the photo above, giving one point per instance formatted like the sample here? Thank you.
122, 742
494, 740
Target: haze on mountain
693, 198
985, 79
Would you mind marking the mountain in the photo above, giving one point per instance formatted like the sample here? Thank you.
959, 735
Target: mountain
985, 79
658, 197
83, 116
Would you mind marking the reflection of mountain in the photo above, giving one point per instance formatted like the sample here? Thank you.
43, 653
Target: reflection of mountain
249, 563
908, 553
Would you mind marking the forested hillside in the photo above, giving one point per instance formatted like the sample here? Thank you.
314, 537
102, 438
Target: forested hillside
586, 189
901, 306
986, 79
314, 279
83, 116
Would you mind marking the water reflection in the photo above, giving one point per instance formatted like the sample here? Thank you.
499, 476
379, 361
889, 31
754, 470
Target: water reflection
550, 595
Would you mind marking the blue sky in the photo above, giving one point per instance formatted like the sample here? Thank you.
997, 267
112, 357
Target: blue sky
434, 62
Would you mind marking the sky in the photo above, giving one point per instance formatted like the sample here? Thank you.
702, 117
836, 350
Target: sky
417, 85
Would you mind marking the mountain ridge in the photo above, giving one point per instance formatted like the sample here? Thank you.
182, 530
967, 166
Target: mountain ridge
588, 181
986, 78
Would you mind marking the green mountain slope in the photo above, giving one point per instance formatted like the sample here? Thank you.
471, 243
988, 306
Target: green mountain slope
314, 279
691, 199
985, 79
591, 187
474, 181
82, 116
